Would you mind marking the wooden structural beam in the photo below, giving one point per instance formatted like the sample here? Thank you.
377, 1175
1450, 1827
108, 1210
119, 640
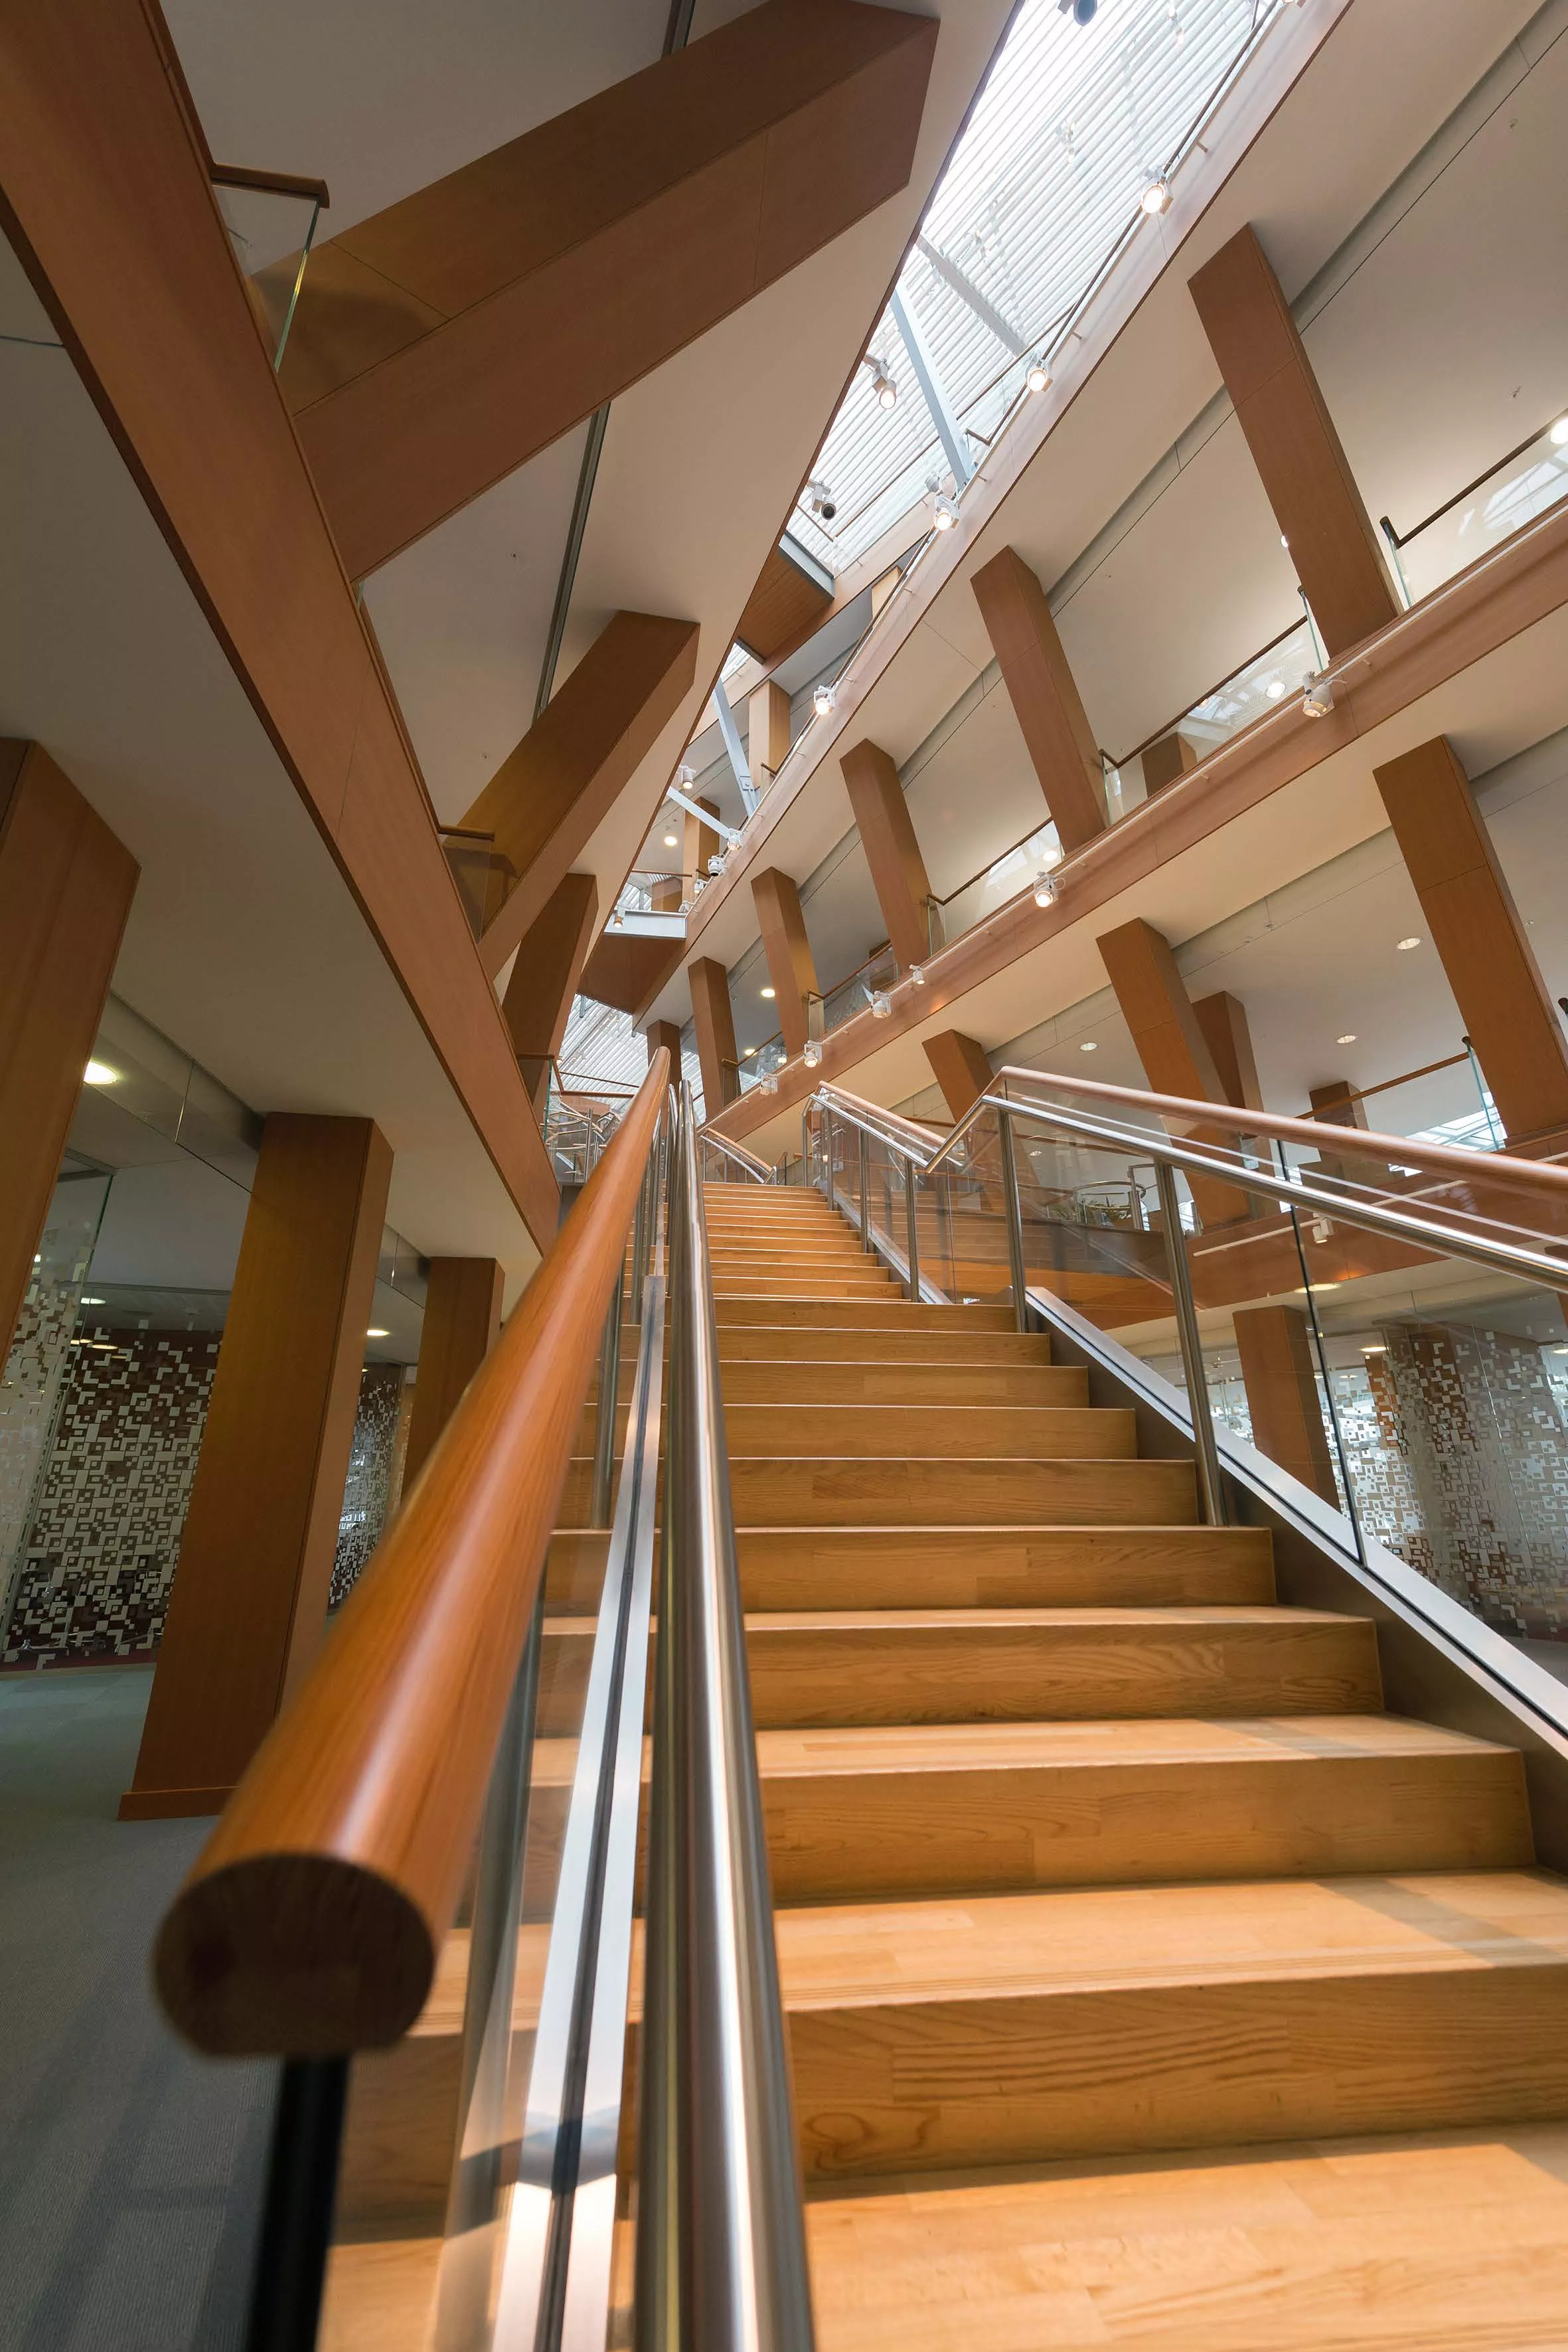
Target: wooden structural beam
767, 732
544, 980
66, 886
715, 1025
1279, 1375
1043, 694
1294, 446
892, 853
248, 1607
548, 798
1490, 965
628, 968
961, 1066
1221, 1018
1176, 1056
791, 967
441, 342
667, 1035
792, 596
462, 1318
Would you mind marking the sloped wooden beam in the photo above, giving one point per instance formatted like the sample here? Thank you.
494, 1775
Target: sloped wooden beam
767, 732
627, 969
794, 595
715, 1024
544, 980
961, 1066
892, 853
1476, 929
1176, 1056
665, 1033
440, 343
1280, 1377
1305, 474
792, 969
461, 1320
1043, 694
66, 886
547, 799
1223, 1021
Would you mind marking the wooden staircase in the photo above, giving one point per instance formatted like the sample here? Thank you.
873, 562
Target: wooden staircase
1146, 1982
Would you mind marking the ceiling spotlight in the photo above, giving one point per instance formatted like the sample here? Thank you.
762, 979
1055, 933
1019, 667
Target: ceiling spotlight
824, 700
1046, 889
1156, 197
881, 1004
670, 842
98, 1074
883, 383
768, 992
916, 975
1089, 1046
768, 1086
1405, 946
1560, 431
1038, 375
811, 1053
944, 509
617, 921
1318, 698
700, 884
685, 776
376, 1332
1348, 1039
716, 863
823, 503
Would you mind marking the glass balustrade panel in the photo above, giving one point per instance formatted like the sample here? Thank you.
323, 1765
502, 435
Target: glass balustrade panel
1518, 491
271, 230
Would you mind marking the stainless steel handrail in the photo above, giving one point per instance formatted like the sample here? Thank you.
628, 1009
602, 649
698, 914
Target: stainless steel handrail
757, 1170
721, 2254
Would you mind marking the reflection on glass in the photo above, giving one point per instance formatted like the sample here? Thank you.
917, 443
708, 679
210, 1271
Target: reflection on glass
1519, 489
271, 230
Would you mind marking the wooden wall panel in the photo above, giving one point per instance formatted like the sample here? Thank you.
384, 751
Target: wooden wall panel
462, 1318
893, 852
515, 295
548, 796
1294, 446
1043, 694
248, 1606
791, 967
715, 1023
105, 195
544, 977
66, 886
962, 1068
1476, 929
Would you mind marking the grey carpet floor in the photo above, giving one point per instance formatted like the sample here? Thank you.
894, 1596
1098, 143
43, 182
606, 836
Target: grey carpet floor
130, 2170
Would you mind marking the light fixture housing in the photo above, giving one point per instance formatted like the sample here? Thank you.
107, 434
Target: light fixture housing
821, 501
685, 776
916, 975
1047, 889
716, 863
1405, 946
1090, 1045
1156, 197
769, 1085
882, 382
944, 509
811, 1053
824, 700
881, 1004
1038, 375
1318, 700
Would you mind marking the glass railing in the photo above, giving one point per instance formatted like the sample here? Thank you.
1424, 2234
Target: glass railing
483, 873
650, 894
1519, 487
271, 222
762, 1064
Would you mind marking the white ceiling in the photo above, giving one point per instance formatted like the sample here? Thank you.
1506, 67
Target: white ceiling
1456, 279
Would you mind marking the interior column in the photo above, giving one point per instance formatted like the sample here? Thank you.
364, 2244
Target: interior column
961, 1066
1490, 965
792, 969
1043, 694
248, 1606
1280, 1377
543, 980
715, 1023
66, 886
1176, 1056
767, 732
462, 1318
892, 853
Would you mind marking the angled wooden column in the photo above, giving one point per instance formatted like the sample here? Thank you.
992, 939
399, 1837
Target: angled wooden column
1294, 446
547, 798
961, 1066
1176, 1056
715, 1024
1279, 1375
248, 1607
791, 967
767, 732
1223, 1021
544, 980
892, 853
1043, 694
1332, 1102
667, 1035
1503, 1002
462, 1318
66, 886
699, 844
1164, 761
440, 343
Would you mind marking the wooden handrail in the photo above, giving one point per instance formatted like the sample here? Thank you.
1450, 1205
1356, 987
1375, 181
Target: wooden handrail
311, 1924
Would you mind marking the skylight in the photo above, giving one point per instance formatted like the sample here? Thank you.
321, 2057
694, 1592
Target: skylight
1075, 123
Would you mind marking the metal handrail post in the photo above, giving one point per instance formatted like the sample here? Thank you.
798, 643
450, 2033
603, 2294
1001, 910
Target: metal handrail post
1211, 1494
604, 1418
1014, 1212
827, 1130
865, 1218
640, 1241
912, 1226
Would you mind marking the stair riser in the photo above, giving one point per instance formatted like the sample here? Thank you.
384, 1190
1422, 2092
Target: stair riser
883, 1384
894, 1314
926, 2085
833, 1678
1026, 1432
794, 1343
772, 1494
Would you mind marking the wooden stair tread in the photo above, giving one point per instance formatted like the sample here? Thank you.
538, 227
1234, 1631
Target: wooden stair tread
1070, 1940
942, 1747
